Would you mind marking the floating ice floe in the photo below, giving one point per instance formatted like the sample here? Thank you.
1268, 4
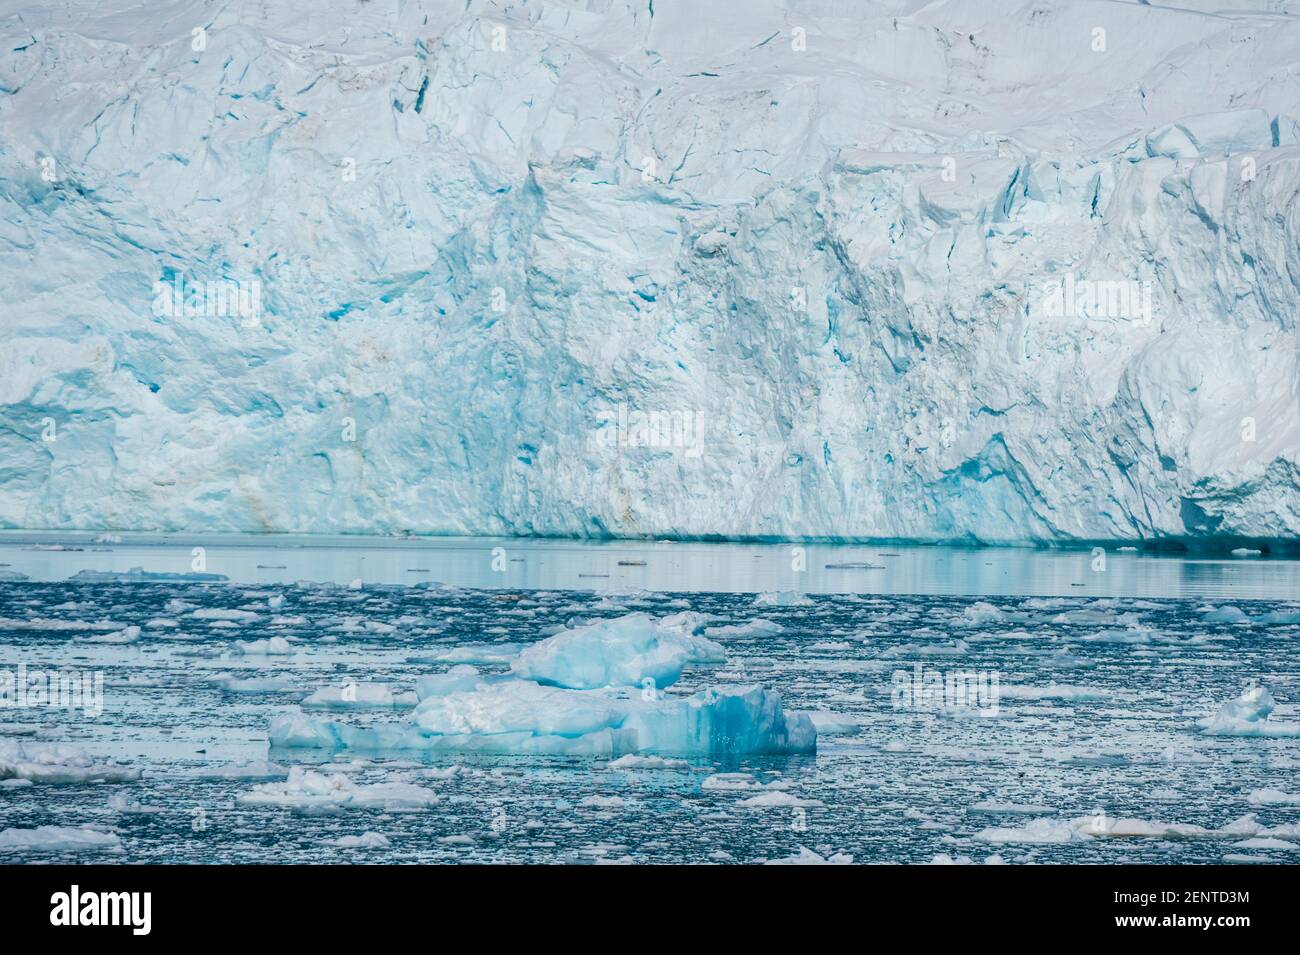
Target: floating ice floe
1226, 615
596, 691
1265, 842
1279, 616
367, 840
994, 807
1273, 797
57, 763
272, 646
477, 653
754, 628
140, 575
308, 790
360, 696
58, 839
256, 771
222, 613
832, 724
1045, 831
633, 761
1247, 715
777, 799
255, 684
944, 859
782, 598
126, 635
806, 856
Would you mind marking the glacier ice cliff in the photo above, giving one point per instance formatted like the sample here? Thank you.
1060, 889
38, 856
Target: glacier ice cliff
999, 271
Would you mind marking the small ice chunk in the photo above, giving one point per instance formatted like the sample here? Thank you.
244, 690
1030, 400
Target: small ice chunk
806, 856
1226, 615
273, 646
777, 799
633, 761
367, 840
359, 696
222, 613
782, 598
1248, 715
307, 789
126, 635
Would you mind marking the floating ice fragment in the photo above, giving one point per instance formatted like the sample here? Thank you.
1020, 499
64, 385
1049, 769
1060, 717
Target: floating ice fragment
782, 598
58, 839
806, 856
1226, 615
57, 763
368, 840
1273, 797
1247, 715
306, 789
273, 646
621, 652
632, 761
359, 696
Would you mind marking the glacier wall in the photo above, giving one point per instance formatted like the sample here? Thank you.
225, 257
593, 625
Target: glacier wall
1000, 271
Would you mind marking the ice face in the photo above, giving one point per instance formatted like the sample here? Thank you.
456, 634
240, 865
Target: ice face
836, 277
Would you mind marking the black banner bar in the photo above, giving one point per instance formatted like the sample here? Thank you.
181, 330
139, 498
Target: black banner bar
336, 903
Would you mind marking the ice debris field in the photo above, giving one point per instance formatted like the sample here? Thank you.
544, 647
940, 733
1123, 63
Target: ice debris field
427, 723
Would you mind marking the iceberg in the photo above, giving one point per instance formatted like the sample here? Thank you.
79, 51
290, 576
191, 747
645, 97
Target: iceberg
625, 651
597, 690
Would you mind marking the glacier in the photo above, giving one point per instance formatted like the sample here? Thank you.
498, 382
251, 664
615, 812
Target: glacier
1000, 271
